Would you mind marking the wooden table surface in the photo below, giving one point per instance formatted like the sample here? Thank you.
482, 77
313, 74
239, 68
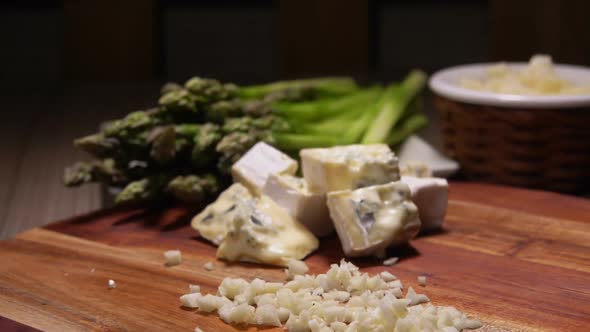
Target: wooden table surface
516, 259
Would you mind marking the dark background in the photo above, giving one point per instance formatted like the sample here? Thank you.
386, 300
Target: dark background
66, 66
254, 41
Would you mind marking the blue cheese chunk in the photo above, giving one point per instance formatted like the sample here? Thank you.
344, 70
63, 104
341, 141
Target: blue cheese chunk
258, 163
213, 222
348, 167
263, 232
368, 220
309, 208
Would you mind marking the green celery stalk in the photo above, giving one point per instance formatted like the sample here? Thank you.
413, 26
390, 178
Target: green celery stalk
325, 109
411, 125
295, 142
323, 87
393, 108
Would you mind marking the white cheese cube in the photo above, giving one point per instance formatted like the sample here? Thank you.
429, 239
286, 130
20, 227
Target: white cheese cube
308, 208
348, 167
263, 232
368, 220
258, 163
431, 197
213, 222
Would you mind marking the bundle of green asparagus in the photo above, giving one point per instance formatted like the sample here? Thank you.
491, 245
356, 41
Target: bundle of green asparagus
184, 147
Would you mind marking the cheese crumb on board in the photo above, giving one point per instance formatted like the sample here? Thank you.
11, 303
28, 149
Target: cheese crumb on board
390, 261
112, 284
194, 289
208, 266
197, 329
422, 280
342, 299
296, 267
173, 257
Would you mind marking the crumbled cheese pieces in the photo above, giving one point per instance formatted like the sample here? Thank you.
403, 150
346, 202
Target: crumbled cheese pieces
343, 299
197, 329
194, 289
390, 261
296, 267
112, 284
348, 167
173, 257
208, 266
422, 280
258, 163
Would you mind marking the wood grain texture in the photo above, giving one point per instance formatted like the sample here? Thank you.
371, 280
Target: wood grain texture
516, 259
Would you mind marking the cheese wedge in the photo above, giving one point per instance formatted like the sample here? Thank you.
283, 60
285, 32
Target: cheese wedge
368, 220
348, 167
263, 232
258, 163
308, 208
213, 222
431, 196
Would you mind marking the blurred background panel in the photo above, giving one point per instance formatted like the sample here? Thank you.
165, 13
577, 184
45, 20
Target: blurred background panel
66, 66
31, 39
228, 40
429, 35
263, 40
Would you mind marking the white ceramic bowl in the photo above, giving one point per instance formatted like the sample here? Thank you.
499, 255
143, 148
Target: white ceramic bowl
446, 83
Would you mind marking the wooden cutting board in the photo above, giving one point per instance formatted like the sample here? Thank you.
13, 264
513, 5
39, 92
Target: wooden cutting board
518, 260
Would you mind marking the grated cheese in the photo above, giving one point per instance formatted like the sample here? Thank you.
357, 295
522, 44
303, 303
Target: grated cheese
342, 299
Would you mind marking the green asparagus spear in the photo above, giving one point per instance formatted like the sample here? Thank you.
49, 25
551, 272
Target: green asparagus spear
193, 188
144, 190
393, 107
163, 141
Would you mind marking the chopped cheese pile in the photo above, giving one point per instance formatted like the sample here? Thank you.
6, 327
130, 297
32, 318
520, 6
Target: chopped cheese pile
537, 78
343, 299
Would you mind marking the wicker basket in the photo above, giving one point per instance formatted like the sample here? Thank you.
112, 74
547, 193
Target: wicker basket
534, 148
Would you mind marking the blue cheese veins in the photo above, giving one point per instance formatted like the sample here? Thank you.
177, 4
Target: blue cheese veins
370, 219
213, 222
263, 232
348, 167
